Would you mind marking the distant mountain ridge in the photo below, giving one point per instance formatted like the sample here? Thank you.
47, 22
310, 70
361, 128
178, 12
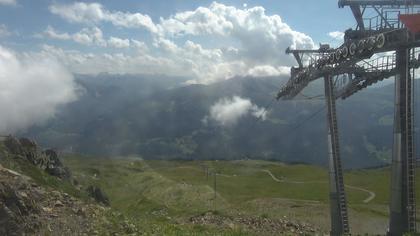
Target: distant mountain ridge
155, 118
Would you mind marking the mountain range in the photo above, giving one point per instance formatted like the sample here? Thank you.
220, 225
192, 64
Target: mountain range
160, 117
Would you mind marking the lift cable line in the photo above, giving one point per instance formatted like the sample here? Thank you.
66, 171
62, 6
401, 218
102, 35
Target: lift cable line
382, 45
303, 122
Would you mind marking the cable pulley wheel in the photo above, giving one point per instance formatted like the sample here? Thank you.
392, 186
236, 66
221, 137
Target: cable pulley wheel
338, 54
344, 51
352, 49
371, 43
360, 46
380, 41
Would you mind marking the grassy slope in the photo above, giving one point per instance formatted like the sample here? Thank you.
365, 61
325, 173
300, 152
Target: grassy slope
164, 194
159, 205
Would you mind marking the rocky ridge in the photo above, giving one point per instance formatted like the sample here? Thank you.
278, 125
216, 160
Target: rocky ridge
46, 160
30, 207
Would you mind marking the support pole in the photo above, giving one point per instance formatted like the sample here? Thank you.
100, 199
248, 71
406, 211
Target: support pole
402, 204
338, 204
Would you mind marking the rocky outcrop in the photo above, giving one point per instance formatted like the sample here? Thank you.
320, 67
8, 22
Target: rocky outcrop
46, 160
97, 194
54, 166
16, 206
13, 145
29, 209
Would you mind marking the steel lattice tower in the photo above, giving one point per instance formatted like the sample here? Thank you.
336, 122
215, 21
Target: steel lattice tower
378, 48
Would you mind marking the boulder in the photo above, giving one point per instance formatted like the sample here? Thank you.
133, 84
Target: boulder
54, 166
96, 193
15, 205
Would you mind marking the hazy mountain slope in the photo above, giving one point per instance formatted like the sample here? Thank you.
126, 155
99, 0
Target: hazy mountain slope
155, 119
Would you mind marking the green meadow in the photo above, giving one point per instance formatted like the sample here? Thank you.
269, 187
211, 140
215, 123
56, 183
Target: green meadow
165, 194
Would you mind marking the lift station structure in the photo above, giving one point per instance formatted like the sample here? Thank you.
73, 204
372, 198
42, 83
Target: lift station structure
383, 45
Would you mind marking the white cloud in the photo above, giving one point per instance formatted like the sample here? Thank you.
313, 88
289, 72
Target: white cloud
87, 36
254, 42
90, 36
8, 2
263, 37
4, 32
141, 46
93, 13
267, 71
52, 33
228, 111
336, 35
200, 21
165, 45
93, 36
115, 63
118, 43
32, 87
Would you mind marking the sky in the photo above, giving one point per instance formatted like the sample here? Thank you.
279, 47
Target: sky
205, 41
45, 43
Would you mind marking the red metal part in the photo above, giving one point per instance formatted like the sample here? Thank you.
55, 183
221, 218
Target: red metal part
411, 21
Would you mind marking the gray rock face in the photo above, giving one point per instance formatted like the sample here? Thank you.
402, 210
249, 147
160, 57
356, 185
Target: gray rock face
13, 145
54, 166
97, 194
46, 160
29, 209
15, 206
28, 144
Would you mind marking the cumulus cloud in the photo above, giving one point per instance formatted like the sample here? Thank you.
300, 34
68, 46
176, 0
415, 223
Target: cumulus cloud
336, 35
32, 87
87, 36
267, 71
114, 63
262, 36
141, 46
228, 111
52, 33
118, 43
92, 13
254, 42
8, 2
92, 36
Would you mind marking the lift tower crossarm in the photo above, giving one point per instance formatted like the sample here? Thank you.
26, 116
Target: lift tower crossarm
299, 53
343, 3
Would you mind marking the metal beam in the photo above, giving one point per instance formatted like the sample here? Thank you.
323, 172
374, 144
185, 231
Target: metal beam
358, 15
343, 3
402, 204
299, 53
338, 203
383, 18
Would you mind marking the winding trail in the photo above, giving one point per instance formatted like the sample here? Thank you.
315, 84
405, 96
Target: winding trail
371, 196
